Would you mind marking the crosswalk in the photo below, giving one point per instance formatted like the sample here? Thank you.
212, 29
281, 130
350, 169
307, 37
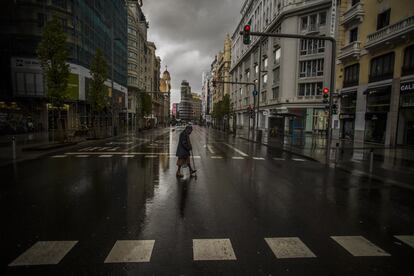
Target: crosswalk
150, 155
221, 249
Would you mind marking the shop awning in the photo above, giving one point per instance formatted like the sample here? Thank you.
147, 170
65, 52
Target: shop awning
378, 90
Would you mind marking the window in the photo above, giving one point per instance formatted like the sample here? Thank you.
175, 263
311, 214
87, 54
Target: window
132, 55
311, 68
304, 23
276, 75
264, 80
312, 25
275, 92
256, 69
241, 92
311, 46
408, 66
277, 56
246, 100
383, 19
322, 18
247, 75
351, 77
382, 67
353, 35
310, 89
263, 97
265, 62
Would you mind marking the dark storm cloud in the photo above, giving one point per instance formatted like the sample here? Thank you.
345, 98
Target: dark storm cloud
188, 33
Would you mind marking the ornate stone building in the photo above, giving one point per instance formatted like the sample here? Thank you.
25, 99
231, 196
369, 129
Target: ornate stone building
165, 87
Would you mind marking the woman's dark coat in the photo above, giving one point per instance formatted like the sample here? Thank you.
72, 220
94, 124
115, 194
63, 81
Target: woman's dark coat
184, 145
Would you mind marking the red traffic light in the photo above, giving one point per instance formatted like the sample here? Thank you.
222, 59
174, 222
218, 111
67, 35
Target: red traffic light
325, 90
247, 28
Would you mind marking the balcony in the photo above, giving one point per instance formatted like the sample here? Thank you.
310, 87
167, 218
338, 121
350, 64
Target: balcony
393, 33
350, 51
354, 14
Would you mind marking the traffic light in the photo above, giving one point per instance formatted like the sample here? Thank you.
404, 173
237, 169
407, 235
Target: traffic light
325, 92
246, 35
334, 108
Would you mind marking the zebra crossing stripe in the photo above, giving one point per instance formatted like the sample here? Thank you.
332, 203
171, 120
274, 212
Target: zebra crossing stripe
131, 251
237, 158
285, 248
213, 250
105, 156
278, 159
82, 156
258, 158
59, 156
44, 253
298, 159
359, 246
406, 239
216, 157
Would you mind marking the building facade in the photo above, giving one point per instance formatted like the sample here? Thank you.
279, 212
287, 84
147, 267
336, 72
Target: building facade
23, 96
165, 88
206, 97
292, 71
375, 71
186, 103
196, 106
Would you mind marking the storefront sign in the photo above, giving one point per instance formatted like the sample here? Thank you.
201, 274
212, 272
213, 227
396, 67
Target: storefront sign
346, 116
333, 19
407, 87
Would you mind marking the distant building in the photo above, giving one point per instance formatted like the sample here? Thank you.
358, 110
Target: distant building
185, 107
165, 87
196, 104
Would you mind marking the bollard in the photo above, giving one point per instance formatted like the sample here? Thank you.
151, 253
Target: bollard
371, 161
14, 148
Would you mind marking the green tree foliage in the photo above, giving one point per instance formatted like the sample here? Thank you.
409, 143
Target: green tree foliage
52, 53
221, 108
98, 93
146, 104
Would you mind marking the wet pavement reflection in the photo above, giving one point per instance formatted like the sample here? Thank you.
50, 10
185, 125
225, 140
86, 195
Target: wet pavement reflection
126, 189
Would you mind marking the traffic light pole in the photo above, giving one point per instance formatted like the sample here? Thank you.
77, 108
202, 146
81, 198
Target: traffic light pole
332, 86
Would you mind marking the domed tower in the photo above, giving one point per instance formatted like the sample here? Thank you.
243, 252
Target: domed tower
165, 82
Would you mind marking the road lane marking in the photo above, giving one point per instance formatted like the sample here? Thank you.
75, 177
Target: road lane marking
285, 248
59, 156
406, 239
119, 153
210, 149
278, 159
197, 157
105, 156
128, 156
114, 149
258, 158
85, 149
237, 157
44, 253
359, 246
216, 157
151, 156
298, 159
213, 250
82, 156
131, 251
236, 150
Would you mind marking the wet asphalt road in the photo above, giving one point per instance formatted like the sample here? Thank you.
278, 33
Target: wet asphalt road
126, 190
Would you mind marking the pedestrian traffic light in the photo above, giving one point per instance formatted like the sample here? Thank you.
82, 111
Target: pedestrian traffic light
246, 35
325, 95
334, 108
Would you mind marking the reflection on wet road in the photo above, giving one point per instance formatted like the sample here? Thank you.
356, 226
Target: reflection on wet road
116, 208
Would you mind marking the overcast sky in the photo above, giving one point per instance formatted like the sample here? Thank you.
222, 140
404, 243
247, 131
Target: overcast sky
188, 34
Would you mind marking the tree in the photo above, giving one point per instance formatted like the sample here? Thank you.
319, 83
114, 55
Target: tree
146, 106
98, 96
221, 109
52, 53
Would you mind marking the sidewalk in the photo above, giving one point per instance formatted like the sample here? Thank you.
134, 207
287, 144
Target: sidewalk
395, 165
24, 143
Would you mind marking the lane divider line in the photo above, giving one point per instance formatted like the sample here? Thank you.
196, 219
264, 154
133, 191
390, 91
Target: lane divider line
236, 150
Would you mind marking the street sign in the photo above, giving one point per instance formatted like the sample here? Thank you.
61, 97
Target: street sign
265, 113
254, 93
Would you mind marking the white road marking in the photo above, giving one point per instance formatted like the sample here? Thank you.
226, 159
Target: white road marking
258, 158
82, 156
213, 250
44, 253
105, 148
131, 251
128, 156
216, 157
278, 159
359, 246
59, 156
285, 248
210, 149
406, 239
236, 150
151, 156
118, 153
298, 159
114, 149
237, 157
197, 157
105, 155
85, 149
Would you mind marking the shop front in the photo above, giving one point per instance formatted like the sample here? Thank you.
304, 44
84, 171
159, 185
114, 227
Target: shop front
347, 114
406, 114
376, 116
